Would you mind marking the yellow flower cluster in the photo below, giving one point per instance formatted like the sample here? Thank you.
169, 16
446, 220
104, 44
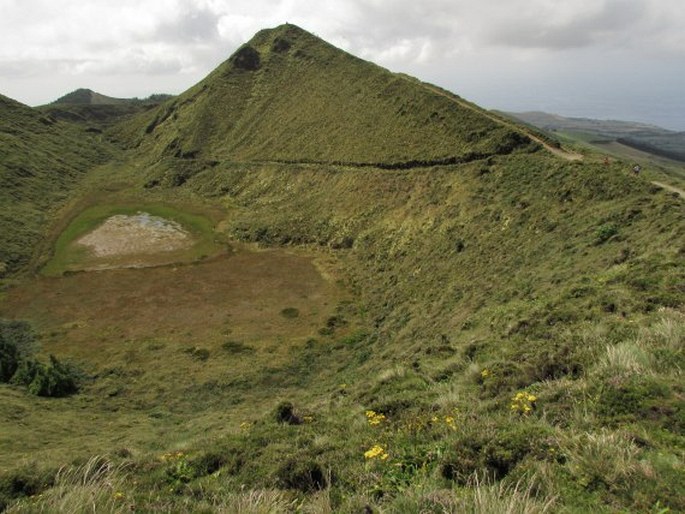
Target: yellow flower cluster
523, 402
170, 457
450, 422
485, 373
119, 495
374, 418
376, 452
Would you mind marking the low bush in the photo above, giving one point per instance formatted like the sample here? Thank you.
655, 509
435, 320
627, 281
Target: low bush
16, 338
495, 453
290, 312
52, 380
605, 232
9, 360
302, 473
199, 354
237, 347
285, 413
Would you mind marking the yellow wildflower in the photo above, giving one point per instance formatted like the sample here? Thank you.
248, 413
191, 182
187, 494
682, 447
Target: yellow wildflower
374, 418
376, 452
485, 373
523, 402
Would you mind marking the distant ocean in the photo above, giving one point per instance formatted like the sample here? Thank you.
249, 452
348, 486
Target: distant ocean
665, 112
662, 104
670, 116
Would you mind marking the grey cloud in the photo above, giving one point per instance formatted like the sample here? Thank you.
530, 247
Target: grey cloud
194, 25
38, 67
611, 25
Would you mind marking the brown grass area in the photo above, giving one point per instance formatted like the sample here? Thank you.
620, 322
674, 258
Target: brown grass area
135, 332
241, 293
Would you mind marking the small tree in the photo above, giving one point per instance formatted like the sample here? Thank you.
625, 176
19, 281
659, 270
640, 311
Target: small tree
15, 339
53, 380
9, 360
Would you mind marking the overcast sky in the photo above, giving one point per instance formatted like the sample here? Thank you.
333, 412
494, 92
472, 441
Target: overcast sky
621, 59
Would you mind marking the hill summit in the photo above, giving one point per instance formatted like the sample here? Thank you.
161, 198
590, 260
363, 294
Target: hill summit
289, 96
88, 97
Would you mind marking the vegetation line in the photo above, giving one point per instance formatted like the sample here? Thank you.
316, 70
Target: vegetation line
404, 165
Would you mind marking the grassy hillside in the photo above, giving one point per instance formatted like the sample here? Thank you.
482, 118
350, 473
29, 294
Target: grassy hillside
411, 316
88, 97
289, 96
96, 111
41, 159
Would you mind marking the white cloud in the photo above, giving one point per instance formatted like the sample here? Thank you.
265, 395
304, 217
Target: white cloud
174, 43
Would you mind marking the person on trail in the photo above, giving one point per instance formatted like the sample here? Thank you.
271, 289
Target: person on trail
636, 169
606, 161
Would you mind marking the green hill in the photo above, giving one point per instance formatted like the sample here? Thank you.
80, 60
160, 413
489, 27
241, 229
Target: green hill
288, 96
96, 111
88, 97
418, 307
41, 159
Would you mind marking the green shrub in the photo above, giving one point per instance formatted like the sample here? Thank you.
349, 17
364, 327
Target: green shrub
605, 232
285, 413
237, 347
199, 354
16, 338
208, 463
301, 473
631, 397
290, 312
9, 360
26, 481
52, 380
496, 452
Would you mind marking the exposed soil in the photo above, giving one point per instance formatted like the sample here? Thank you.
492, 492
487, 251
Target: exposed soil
142, 233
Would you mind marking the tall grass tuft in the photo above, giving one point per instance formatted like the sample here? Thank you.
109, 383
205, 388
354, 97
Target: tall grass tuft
94, 487
602, 458
481, 497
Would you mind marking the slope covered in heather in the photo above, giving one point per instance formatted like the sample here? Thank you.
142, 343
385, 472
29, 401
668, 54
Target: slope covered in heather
41, 159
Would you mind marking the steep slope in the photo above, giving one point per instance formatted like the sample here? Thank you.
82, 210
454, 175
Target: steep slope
289, 96
41, 159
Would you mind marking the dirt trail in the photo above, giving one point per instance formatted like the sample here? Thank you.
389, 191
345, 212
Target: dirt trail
670, 188
564, 154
